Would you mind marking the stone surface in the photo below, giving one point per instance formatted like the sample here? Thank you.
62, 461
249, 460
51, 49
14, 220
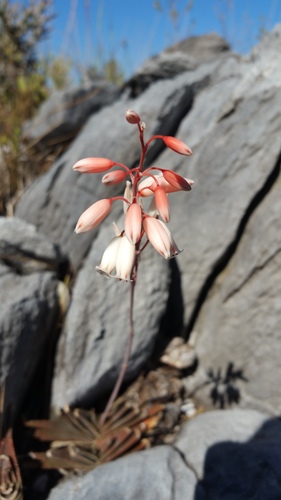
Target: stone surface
224, 288
228, 112
220, 454
23, 248
231, 163
183, 56
159, 473
160, 67
28, 305
240, 320
234, 453
61, 117
202, 48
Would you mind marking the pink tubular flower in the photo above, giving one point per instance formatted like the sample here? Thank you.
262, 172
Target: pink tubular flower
132, 117
147, 186
160, 237
93, 215
162, 203
177, 181
125, 259
93, 165
177, 145
133, 223
114, 177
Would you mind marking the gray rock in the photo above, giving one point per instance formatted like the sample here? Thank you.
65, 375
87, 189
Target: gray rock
159, 473
28, 305
160, 67
203, 48
235, 454
231, 164
221, 454
199, 434
240, 321
183, 56
62, 116
23, 248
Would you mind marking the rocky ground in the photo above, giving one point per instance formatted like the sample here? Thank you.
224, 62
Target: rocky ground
222, 294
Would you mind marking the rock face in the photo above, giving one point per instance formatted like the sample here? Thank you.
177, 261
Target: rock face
227, 110
222, 454
28, 304
184, 56
62, 116
223, 290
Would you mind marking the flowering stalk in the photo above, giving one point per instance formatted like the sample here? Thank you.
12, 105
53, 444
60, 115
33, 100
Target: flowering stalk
121, 257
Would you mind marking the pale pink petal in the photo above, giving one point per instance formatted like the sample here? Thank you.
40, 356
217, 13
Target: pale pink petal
178, 182
114, 177
93, 165
93, 215
160, 237
177, 145
125, 259
162, 203
133, 223
148, 185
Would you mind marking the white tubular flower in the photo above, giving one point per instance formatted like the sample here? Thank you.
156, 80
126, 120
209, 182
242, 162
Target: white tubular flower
128, 194
160, 237
152, 210
108, 261
125, 259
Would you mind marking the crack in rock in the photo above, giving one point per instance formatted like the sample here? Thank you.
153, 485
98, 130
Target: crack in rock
225, 258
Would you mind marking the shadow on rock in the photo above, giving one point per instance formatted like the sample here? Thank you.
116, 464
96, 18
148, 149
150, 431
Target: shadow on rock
250, 470
224, 391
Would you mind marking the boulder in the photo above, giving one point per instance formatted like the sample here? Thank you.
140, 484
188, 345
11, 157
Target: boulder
62, 116
227, 111
220, 454
28, 305
234, 454
157, 473
183, 56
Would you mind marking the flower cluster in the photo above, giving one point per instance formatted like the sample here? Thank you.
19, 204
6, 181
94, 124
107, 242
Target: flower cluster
123, 251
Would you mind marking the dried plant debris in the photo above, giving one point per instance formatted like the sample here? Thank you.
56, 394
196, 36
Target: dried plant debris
149, 413
10, 478
80, 443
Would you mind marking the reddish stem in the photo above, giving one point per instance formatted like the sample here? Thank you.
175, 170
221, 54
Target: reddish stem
126, 358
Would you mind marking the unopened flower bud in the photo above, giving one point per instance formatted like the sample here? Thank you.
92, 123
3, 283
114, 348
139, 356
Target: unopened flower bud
93, 165
162, 203
93, 215
114, 177
160, 237
176, 181
132, 117
133, 223
177, 145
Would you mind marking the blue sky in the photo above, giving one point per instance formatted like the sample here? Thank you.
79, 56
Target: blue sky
91, 31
